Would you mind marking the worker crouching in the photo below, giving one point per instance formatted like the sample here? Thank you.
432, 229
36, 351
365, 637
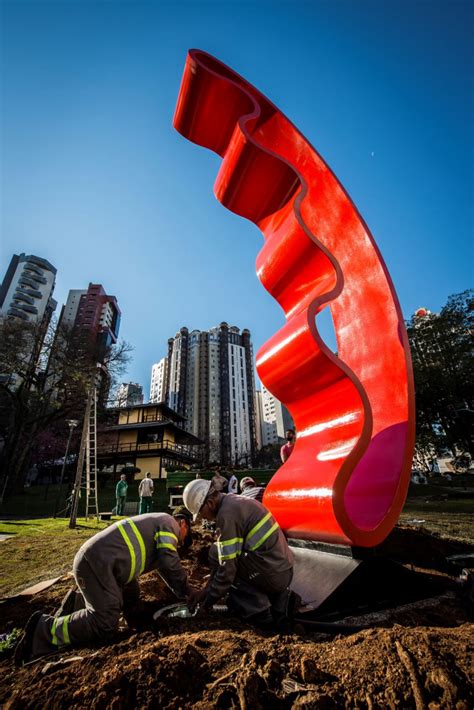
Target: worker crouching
251, 562
106, 570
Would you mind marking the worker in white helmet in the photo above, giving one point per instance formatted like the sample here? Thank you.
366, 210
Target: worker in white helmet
252, 562
249, 489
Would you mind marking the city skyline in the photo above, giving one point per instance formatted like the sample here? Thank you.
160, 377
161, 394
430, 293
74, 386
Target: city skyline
98, 183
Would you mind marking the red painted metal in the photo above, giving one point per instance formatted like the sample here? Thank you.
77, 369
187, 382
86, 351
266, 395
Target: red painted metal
347, 478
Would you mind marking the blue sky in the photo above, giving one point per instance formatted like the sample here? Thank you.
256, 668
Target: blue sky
95, 179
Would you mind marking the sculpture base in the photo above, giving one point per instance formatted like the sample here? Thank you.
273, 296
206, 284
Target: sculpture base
334, 581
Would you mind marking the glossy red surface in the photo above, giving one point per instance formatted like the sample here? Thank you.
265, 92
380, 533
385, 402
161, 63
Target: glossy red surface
348, 476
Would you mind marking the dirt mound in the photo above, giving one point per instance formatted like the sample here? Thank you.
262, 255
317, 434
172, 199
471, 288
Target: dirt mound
237, 667
415, 656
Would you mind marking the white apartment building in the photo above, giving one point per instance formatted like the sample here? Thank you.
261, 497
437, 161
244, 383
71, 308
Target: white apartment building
129, 394
158, 381
26, 297
69, 313
275, 418
211, 383
26, 290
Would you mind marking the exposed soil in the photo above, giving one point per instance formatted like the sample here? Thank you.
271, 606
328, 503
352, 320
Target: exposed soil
419, 655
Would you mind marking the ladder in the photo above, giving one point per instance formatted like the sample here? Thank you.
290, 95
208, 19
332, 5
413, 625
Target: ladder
90, 474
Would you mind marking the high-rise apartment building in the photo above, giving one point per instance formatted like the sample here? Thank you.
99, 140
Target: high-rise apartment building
26, 297
92, 313
130, 394
275, 419
210, 381
89, 323
26, 290
158, 381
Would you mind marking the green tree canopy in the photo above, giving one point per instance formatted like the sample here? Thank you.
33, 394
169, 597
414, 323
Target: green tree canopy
442, 352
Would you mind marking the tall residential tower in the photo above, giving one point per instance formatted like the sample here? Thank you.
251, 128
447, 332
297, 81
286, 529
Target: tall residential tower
94, 313
26, 297
275, 419
26, 290
210, 381
158, 381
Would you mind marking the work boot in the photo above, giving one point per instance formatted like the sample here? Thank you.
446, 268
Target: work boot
263, 620
294, 604
24, 647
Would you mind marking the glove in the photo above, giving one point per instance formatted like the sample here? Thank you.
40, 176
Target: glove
195, 597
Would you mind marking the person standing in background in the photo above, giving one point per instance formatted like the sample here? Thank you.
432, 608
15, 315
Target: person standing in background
145, 491
287, 449
121, 493
220, 482
233, 485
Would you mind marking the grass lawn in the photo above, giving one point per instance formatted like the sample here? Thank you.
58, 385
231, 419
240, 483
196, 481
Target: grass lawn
446, 510
39, 549
453, 519
44, 548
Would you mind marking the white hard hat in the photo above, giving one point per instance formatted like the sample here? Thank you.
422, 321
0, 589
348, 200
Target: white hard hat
194, 495
246, 481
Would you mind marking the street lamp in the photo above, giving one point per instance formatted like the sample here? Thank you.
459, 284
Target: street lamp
72, 424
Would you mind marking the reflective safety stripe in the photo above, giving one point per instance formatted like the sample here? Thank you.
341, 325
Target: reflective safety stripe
253, 540
60, 631
258, 526
233, 541
229, 549
133, 558
262, 539
223, 558
166, 535
163, 533
66, 629
140, 542
54, 638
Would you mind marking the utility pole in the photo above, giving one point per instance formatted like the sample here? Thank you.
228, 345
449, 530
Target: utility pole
72, 424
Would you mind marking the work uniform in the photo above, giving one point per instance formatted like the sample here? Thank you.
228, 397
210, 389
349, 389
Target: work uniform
145, 491
233, 485
106, 569
255, 492
121, 496
251, 559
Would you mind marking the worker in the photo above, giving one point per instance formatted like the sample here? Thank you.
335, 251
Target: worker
252, 562
145, 491
249, 489
220, 482
106, 569
233, 485
287, 449
121, 494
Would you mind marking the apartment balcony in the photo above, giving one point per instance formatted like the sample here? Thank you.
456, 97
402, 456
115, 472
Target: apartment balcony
165, 449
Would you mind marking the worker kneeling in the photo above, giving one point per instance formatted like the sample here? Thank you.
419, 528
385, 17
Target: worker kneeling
106, 570
251, 561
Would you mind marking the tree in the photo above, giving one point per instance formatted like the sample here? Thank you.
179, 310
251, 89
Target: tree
45, 378
441, 345
269, 456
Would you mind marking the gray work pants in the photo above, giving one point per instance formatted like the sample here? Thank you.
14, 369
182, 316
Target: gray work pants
253, 593
97, 621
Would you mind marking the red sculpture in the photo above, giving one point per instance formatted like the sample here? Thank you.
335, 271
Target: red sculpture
347, 478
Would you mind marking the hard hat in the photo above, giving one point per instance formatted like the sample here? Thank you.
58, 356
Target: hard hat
246, 481
194, 495
182, 512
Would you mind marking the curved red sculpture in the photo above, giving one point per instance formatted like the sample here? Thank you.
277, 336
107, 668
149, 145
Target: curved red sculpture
347, 478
